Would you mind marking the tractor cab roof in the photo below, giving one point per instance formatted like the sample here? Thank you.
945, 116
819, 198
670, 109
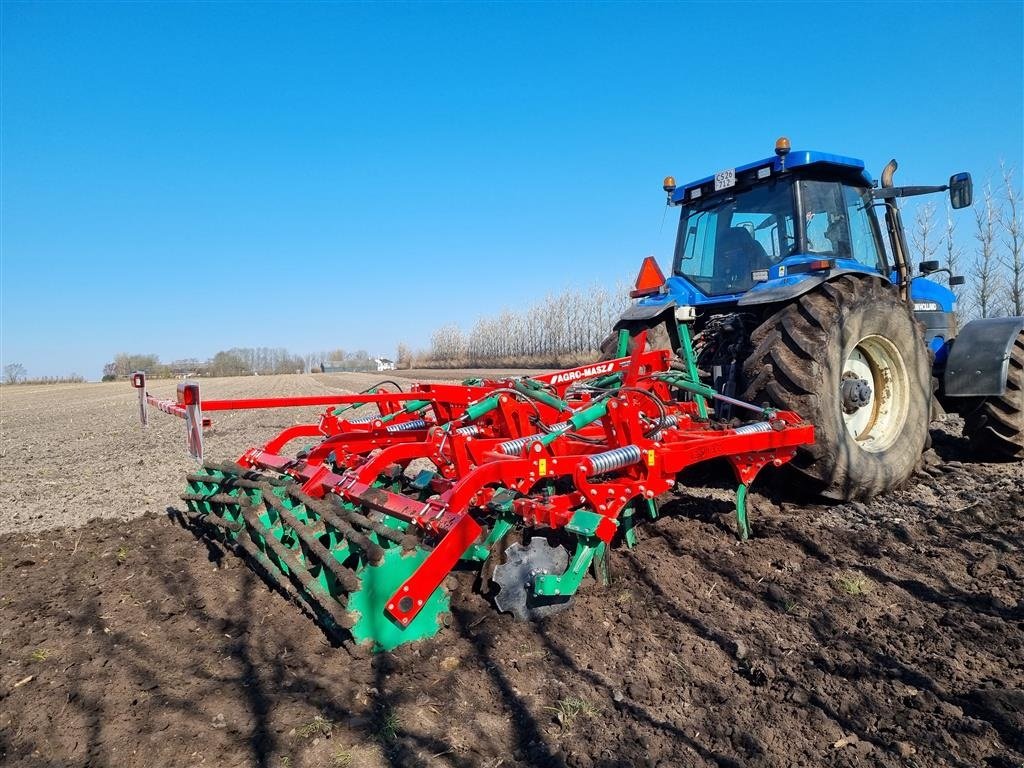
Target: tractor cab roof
745, 175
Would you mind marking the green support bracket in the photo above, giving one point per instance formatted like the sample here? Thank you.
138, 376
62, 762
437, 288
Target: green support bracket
584, 524
691, 367
623, 345
478, 552
549, 584
741, 512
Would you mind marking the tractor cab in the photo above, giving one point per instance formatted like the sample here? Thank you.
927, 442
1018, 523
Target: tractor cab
770, 230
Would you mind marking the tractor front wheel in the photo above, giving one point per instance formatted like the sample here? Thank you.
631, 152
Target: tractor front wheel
848, 357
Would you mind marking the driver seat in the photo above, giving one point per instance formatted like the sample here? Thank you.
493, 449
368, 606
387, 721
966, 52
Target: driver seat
738, 246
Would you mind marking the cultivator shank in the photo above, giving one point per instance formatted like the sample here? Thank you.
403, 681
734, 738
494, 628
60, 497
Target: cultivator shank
528, 479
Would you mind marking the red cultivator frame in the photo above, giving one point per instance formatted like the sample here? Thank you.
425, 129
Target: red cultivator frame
366, 523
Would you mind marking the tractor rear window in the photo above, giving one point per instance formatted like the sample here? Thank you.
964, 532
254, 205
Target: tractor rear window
722, 241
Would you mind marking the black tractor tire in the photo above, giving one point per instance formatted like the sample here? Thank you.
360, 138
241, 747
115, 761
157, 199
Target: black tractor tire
657, 338
995, 428
800, 356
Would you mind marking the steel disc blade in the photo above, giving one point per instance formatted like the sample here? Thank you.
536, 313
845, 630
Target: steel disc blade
516, 575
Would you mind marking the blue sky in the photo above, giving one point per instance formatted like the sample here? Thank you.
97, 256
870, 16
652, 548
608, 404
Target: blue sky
182, 178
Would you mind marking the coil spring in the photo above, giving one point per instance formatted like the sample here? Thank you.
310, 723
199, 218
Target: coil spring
472, 429
363, 419
753, 429
405, 426
515, 447
614, 459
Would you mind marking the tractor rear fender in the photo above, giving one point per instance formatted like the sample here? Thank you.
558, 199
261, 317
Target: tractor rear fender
788, 288
651, 315
980, 356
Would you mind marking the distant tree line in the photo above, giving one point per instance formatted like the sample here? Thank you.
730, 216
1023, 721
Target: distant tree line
561, 329
238, 361
16, 373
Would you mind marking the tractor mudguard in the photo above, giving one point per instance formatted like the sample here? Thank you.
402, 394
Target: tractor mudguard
788, 288
651, 316
978, 361
640, 311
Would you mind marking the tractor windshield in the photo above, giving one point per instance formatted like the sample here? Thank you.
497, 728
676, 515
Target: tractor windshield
723, 240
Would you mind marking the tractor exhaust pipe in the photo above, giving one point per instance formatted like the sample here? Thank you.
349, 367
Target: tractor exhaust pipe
897, 239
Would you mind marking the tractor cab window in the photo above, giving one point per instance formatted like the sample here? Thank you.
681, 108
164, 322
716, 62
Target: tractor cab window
839, 223
722, 241
865, 236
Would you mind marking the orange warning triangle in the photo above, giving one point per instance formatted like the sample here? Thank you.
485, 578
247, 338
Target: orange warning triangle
649, 280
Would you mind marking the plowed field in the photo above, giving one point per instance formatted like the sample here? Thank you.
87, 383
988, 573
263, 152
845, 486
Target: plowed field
880, 634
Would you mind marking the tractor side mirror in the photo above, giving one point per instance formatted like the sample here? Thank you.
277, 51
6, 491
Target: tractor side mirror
957, 280
928, 266
961, 190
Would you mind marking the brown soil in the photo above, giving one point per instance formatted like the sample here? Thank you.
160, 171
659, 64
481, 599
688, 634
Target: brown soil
889, 633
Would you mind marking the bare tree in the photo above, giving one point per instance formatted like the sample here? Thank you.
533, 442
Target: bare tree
403, 358
922, 236
952, 252
1013, 239
14, 372
561, 329
985, 287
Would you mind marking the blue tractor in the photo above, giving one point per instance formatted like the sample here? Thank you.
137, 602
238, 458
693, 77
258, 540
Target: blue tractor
782, 276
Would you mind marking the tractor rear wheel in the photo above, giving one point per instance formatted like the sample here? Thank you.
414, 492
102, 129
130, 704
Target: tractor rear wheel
996, 427
848, 357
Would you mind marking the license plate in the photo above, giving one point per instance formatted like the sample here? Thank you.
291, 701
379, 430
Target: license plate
725, 179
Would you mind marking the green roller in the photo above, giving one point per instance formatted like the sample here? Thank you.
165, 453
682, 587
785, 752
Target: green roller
373, 626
